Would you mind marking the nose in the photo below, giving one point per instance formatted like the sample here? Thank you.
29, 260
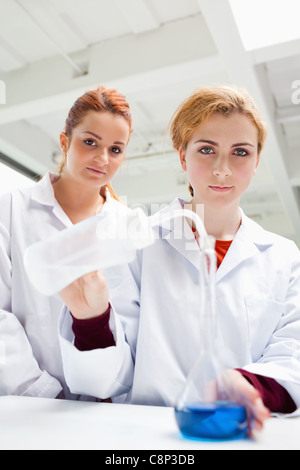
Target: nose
102, 156
221, 167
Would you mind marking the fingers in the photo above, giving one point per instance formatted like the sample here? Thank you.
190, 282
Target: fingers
94, 281
257, 415
256, 410
242, 392
95, 292
88, 296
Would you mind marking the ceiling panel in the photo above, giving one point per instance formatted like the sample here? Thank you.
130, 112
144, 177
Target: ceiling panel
176, 10
156, 52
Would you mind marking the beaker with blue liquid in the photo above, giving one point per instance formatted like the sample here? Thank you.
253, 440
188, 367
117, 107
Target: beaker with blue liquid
205, 409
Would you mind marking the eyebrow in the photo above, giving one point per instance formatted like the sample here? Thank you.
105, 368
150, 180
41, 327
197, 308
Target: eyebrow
100, 138
211, 142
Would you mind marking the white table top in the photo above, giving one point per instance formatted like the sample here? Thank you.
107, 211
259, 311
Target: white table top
39, 423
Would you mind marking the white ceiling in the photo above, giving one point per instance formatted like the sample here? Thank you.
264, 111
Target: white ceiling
156, 52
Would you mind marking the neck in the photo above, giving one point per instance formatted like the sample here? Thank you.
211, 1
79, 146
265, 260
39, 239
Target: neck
222, 223
78, 201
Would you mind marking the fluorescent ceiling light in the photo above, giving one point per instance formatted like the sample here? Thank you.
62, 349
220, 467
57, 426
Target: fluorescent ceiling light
264, 23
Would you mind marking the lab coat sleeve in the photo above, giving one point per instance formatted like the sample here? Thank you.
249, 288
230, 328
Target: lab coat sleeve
19, 370
108, 372
281, 357
101, 373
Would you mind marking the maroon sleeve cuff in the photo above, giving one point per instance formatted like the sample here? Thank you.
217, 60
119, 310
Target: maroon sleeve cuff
93, 333
274, 396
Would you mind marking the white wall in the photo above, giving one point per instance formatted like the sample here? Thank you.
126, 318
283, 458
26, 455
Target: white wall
11, 179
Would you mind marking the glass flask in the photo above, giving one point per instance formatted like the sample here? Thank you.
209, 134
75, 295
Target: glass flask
204, 409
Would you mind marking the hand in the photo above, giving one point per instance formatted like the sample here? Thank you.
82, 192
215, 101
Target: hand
238, 389
87, 297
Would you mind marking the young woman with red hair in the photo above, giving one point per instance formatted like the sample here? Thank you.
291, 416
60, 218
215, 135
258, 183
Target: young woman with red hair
94, 141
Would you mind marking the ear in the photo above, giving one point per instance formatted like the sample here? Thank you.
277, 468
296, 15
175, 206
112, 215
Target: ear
182, 158
258, 158
63, 139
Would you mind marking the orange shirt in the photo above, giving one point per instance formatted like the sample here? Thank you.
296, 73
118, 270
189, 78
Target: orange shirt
221, 247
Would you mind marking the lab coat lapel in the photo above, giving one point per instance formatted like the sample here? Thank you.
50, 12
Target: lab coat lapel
248, 242
241, 249
182, 239
178, 233
43, 194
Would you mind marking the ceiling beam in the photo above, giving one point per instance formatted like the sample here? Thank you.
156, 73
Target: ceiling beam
28, 146
137, 15
156, 58
276, 52
287, 115
38, 19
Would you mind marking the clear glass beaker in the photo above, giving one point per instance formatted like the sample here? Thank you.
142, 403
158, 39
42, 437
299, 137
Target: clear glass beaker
204, 409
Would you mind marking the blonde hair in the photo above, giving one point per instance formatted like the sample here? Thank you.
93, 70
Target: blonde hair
101, 100
206, 101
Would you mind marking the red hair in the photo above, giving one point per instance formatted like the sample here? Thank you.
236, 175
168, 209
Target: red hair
101, 100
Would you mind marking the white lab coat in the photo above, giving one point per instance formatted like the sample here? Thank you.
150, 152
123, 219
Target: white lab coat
30, 358
156, 317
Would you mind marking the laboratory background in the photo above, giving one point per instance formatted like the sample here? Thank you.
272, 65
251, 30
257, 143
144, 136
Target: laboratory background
156, 52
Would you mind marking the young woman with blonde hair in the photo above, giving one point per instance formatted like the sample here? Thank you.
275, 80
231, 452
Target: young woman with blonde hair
94, 141
219, 135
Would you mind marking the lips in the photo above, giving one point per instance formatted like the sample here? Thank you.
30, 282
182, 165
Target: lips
221, 189
96, 170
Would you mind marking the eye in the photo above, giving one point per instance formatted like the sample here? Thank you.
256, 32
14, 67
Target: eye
241, 152
116, 150
89, 142
206, 150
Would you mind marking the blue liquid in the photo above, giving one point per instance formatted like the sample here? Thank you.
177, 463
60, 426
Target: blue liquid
216, 420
